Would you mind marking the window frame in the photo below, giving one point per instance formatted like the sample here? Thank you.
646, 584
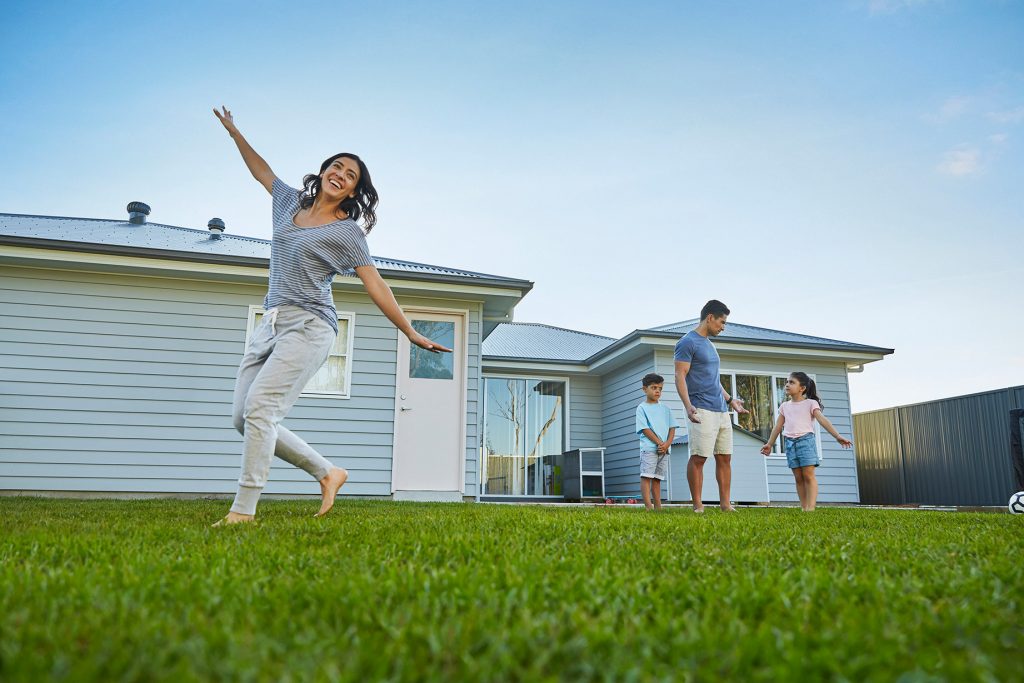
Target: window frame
776, 453
350, 318
483, 428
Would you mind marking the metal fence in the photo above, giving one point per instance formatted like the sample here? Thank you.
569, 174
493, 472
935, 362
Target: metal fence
955, 451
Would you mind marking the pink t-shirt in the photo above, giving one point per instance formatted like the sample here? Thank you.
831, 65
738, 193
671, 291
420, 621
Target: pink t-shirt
799, 417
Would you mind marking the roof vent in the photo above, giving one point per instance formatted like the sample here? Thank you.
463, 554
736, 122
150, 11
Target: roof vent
216, 227
137, 212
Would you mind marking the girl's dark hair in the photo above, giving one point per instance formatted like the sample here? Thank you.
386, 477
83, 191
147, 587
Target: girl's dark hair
810, 388
361, 205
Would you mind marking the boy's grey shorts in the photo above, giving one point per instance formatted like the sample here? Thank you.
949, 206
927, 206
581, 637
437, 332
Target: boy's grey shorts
653, 466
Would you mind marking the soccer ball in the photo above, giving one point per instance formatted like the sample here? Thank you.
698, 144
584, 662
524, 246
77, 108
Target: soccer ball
1017, 503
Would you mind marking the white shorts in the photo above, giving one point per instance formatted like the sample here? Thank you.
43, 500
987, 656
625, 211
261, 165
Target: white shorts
712, 435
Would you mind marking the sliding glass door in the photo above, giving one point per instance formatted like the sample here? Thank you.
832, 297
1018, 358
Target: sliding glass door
524, 436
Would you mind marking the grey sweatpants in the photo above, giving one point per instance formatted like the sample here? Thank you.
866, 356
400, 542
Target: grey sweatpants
285, 351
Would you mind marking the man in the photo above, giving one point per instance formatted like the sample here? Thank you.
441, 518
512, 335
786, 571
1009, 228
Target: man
707, 404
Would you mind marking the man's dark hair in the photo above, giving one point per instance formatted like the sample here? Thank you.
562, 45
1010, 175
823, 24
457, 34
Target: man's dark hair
715, 308
652, 378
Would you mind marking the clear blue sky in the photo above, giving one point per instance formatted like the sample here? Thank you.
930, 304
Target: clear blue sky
847, 169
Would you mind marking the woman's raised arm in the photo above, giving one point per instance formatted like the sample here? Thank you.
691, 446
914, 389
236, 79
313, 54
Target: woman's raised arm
259, 168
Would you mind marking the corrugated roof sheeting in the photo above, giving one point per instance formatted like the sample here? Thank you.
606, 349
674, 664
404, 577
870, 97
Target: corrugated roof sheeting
542, 342
954, 451
160, 237
738, 332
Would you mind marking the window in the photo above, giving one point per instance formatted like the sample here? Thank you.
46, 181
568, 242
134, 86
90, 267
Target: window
334, 378
524, 436
762, 395
424, 364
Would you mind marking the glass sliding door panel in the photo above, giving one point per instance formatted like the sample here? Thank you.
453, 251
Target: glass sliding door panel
505, 436
545, 435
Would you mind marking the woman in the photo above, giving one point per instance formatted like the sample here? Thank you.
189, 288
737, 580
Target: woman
316, 235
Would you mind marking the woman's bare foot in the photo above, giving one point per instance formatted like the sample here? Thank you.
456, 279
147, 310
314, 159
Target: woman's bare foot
727, 508
699, 510
329, 486
235, 518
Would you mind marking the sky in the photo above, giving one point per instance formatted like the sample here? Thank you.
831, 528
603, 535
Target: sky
849, 169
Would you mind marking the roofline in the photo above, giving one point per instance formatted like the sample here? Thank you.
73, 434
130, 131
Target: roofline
637, 338
638, 334
524, 286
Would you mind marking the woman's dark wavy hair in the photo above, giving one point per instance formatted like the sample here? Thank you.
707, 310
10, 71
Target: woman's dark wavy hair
810, 388
363, 205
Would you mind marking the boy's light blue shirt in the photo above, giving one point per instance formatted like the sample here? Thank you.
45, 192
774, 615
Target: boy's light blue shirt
658, 418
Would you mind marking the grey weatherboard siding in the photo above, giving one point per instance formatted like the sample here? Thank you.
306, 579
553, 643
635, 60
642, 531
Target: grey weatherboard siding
123, 383
622, 394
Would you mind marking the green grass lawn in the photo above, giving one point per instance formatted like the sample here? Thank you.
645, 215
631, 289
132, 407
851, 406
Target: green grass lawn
146, 591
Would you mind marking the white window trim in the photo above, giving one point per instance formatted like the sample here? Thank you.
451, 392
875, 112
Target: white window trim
348, 316
483, 427
777, 453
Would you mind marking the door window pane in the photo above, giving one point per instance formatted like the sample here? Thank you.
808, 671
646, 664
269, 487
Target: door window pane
425, 364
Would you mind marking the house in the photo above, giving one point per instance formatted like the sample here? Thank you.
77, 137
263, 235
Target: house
120, 341
598, 379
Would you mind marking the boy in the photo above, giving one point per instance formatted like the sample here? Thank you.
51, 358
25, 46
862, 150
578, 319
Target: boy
657, 427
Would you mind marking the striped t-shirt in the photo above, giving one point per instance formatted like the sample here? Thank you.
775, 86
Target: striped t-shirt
304, 261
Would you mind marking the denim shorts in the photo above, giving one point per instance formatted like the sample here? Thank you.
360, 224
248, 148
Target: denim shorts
802, 451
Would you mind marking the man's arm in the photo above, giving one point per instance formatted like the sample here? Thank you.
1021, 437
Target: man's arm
682, 368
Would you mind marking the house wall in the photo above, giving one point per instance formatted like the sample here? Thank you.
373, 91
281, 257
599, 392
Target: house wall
622, 393
123, 383
837, 476
585, 412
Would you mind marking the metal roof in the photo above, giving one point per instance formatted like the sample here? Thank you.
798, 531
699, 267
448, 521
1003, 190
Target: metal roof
741, 333
532, 341
542, 342
159, 239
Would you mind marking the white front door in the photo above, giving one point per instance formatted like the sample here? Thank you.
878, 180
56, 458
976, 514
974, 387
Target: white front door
430, 416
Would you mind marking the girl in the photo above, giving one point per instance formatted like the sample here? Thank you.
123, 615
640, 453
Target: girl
798, 415
316, 235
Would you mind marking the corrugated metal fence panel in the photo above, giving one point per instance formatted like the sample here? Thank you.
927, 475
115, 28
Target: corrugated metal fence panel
879, 466
954, 451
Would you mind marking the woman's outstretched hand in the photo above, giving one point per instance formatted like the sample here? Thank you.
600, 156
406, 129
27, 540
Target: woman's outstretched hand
424, 343
226, 119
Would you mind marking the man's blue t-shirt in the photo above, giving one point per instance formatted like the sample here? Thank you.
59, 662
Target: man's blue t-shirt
702, 382
658, 418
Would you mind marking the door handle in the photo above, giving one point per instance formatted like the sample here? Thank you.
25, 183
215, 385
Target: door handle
405, 408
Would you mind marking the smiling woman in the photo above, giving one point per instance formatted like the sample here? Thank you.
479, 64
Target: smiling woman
341, 173
318, 233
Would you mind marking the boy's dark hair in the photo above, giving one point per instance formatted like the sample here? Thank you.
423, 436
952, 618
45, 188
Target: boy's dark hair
715, 308
652, 378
